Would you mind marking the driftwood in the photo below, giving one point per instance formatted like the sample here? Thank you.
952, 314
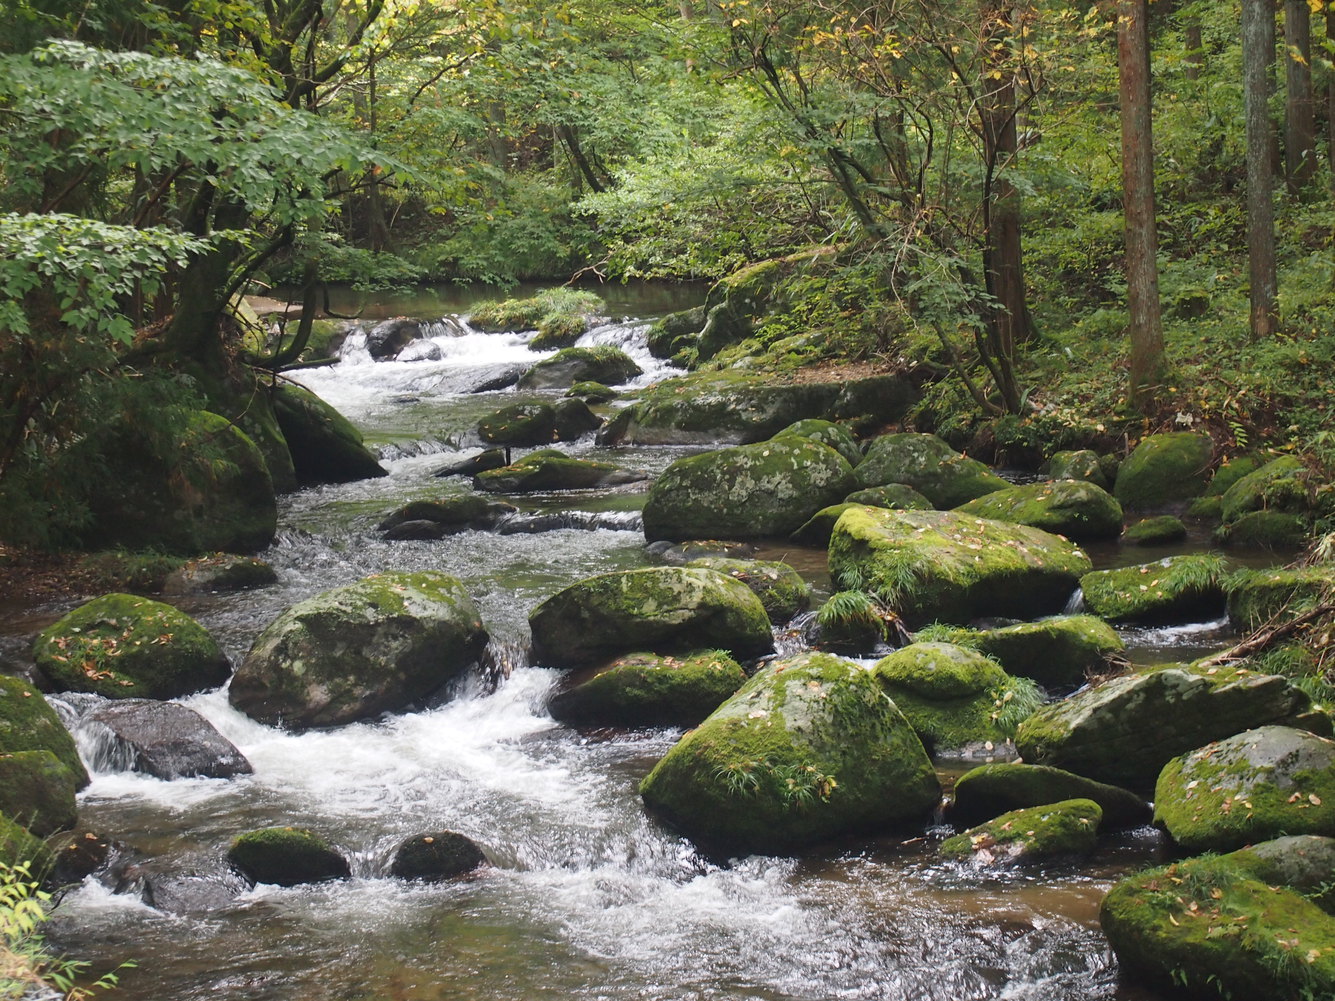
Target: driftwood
1268, 635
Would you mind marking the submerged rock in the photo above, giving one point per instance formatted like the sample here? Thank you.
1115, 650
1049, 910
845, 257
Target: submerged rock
1073, 508
325, 446
993, 789
220, 574
550, 469
1163, 469
436, 856
1069, 827
28, 723
286, 856
809, 749
928, 465
167, 740
645, 689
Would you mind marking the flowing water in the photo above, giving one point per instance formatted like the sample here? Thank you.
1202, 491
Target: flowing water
586, 897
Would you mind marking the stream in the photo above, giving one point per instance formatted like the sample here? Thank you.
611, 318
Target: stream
586, 897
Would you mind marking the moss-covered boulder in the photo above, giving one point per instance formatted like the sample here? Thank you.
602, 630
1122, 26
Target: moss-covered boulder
1301, 862
520, 424
1057, 652
1074, 508
1203, 927
38, 791
1164, 530
28, 723
647, 689
436, 856
571, 365
1164, 469
1250, 787
357, 651
661, 609
1082, 464
1068, 827
954, 696
943, 566
809, 749
1283, 485
779, 587
1256, 597
122, 646
286, 856
457, 513
219, 574
18, 845
898, 496
1175, 589
817, 529
1266, 530
836, 436
675, 331
928, 465
551, 469
1125, 730
325, 446
751, 491
993, 789
574, 420
591, 392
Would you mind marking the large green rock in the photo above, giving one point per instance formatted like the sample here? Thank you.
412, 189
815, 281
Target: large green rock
38, 791
1301, 862
992, 789
457, 513
1164, 530
675, 331
1068, 827
568, 366
646, 689
286, 856
1058, 652
1073, 508
662, 609
953, 696
1078, 465
1274, 505
28, 723
1204, 928
1250, 787
948, 567
1125, 730
751, 491
1163, 469
18, 846
828, 433
357, 651
551, 469
122, 646
520, 424
1175, 589
928, 465
1258, 596
779, 587
809, 749
325, 446
899, 496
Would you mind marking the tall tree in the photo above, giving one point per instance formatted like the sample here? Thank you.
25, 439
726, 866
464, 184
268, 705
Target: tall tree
1258, 61
1299, 107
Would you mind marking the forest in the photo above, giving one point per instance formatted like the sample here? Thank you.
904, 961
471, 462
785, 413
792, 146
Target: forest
1089, 243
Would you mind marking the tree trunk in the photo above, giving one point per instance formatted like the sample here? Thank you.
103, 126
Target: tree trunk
1330, 95
1299, 110
1195, 55
1258, 58
1142, 245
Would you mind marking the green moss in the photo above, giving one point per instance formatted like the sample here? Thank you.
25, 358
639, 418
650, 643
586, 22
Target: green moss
1069, 827
1077, 465
559, 331
1055, 652
325, 446
142, 573
779, 587
1267, 529
1161, 531
1073, 508
556, 309
19, 845
592, 392
1164, 468
1255, 597
1302, 863
38, 790
549, 469
827, 433
286, 856
568, 366
645, 689
992, 789
897, 496
28, 723
520, 424
1280, 485
1178, 588
929, 465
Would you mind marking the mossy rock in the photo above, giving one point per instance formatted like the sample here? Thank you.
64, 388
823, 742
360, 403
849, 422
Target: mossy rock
1250, 787
1082, 464
28, 723
808, 750
559, 331
647, 689
1125, 730
591, 392
1204, 928
574, 420
1266, 530
675, 331
817, 529
521, 424
550, 469
1174, 589
19, 845
286, 856
992, 789
491, 458
1255, 597
37, 790
1164, 530
953, 696
661, 609
779, 587
896, 496
1284, 484
1068, 827
1232, 470
828, 433
928, 465
121, 646
453, 514
1206, 509
1301, 862
325, 446
1164, 469
1058, 652
437, 856
948, 567
571, 365
222, 573
1073, 508
357, 651
750, 491
507, 315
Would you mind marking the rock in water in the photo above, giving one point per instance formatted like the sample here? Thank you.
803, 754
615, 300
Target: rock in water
325, 446
1068, 827
168, 740
928, 465
286, 856
1164, 468
28, 723
1073, 508
993, 789
36, 789
436, 856
645, 689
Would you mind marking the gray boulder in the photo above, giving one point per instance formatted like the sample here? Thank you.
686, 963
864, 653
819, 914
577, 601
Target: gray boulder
325, 446
928, 465
993, 789
1074, 508
163, 739
607, 365
437, 856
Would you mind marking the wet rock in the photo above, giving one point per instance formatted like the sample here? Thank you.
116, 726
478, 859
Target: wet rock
817, 529
675, 331
779, 587
1069, 827
1266, 530
1078, 465
897, 496
944, 566
37, 791
1161, 531
571, 365
574, 419
1057, 653
449, 515
78, 854
751, 491
827, 433
1073, 508
1250, 787
437, 856
357, 651
809, 749
550, 469
492, 458
521, 424
28, 723
422, 350
592, 393
325, 446
993, 789
1175, 589
662, 609
928, 465
166, 740
1281, 487
286, 856
220, 574
645, 689
492, 378
416, 531
19, 845
190, 893
122, 646
388, 337
1164, 469
697, 549
1301, 862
